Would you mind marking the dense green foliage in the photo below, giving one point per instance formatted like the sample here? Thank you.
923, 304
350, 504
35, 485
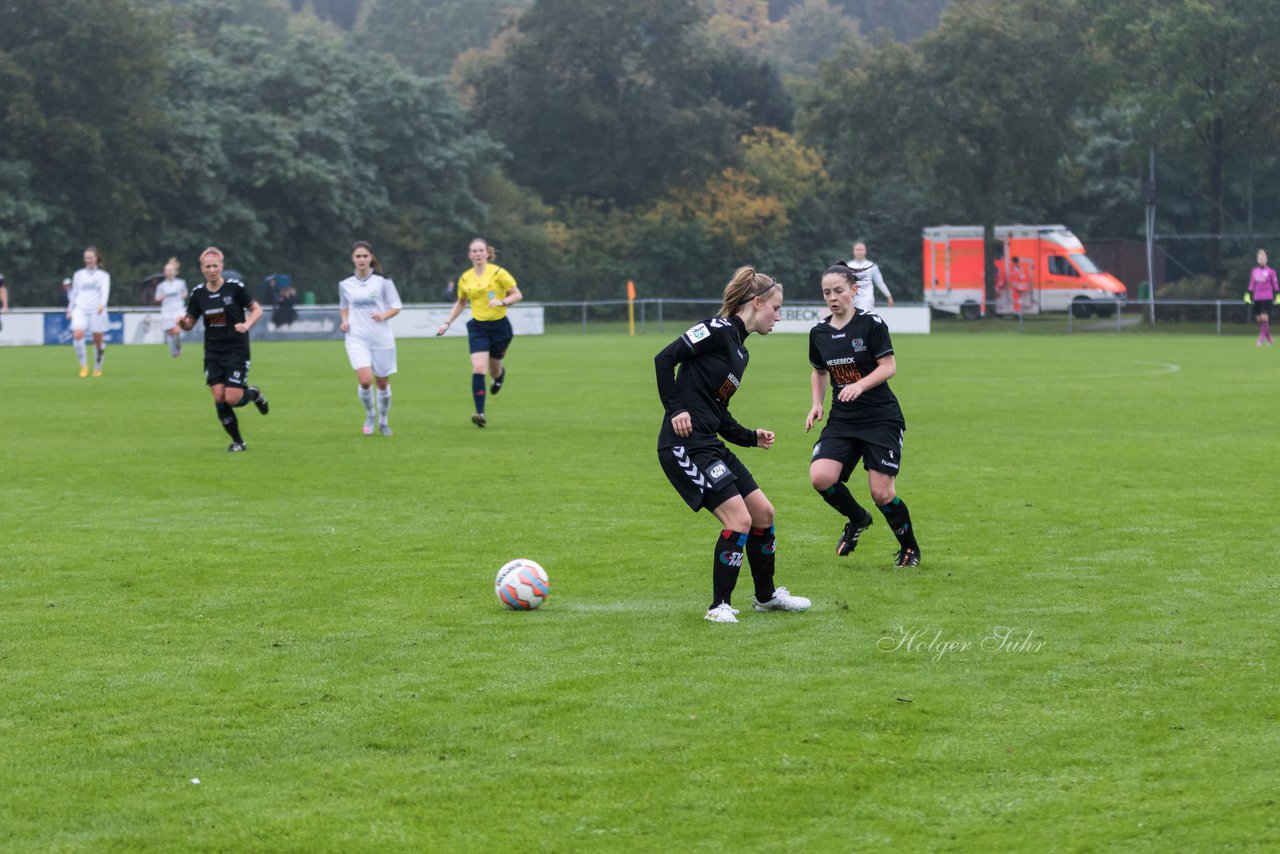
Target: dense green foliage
309, 628
665, 142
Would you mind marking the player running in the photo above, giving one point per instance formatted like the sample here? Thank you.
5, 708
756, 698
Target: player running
367, 301
229, 313
87, 310
851, 350
171, 294
491, 290
712, 360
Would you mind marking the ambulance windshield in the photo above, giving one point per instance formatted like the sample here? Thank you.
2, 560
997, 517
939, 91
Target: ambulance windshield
1084, 264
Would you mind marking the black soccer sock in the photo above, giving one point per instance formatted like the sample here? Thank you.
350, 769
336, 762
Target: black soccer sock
761, 543
839, 497
725, 564
250, 395
895, 513
227, 416
477, 389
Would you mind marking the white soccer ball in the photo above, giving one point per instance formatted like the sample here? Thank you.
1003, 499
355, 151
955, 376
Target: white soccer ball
522, 585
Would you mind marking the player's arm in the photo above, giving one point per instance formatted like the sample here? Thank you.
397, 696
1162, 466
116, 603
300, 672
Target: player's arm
159, 297
392, 298
734, 432
818, 382
251, 317
106, 292
880, 285
886, 367
513, 296
664, 365
453, 314
345, 313
72, 296
4, 298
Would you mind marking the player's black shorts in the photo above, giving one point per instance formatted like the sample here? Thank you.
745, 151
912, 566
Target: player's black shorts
490, 336
226, 369
706, 476
1262, 306
878, 447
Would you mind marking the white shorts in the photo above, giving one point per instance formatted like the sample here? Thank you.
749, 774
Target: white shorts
383, 362
89, 320
167, 320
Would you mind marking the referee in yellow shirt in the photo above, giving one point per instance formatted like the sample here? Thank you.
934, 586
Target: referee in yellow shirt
490, 290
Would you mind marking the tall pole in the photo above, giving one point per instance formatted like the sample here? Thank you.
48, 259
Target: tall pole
1149, 192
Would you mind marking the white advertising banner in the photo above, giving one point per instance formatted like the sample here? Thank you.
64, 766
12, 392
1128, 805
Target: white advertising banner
29, 327
22, 328
900, 319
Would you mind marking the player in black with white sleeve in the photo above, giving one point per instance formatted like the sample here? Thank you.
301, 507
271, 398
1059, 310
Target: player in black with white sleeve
852, 351
712, 359
229, 313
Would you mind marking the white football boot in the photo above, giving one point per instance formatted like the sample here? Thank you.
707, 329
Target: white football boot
722, 613
782, 601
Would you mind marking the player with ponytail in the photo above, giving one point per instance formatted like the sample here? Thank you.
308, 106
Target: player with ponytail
712, 357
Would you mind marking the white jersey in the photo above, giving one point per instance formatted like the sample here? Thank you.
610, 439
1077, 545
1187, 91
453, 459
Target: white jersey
361, 298
868, 274
89, 289
174, 293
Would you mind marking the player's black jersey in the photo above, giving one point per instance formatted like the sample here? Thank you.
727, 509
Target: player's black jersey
712, 360
222, 310
848, 355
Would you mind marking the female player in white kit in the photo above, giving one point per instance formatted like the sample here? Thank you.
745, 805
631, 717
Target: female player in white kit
87, 310
367, 301
171, 293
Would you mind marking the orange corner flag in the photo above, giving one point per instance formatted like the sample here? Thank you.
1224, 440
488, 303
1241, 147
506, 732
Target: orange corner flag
631, 290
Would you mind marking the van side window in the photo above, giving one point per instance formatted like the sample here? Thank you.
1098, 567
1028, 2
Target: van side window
1060, 266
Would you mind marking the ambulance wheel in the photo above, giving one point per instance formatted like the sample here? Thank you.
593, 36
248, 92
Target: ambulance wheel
1081, 307
1105, 310
970, 310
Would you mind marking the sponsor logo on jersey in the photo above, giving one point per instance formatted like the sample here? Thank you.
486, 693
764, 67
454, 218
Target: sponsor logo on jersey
226, 300
859, 346
726, 390
697, 333
837, 336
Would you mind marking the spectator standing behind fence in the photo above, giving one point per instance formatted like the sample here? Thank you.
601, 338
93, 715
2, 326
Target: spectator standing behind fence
868, 273
1262, 293
491, 290
4, 296
87, 310
171, 294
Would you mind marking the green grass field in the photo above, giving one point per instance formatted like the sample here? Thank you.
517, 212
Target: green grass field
309, 629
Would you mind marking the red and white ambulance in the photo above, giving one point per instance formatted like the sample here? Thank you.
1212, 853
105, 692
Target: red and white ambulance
1039, 268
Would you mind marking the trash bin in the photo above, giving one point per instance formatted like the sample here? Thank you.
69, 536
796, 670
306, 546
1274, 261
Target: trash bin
308, 297
1144, 291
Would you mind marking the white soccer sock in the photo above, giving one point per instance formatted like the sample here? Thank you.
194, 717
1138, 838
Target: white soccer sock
81, 352
99, 354
366, 397
384, 402
173, 343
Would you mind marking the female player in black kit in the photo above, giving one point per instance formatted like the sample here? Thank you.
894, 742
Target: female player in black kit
229, 313
852, 350
712, 360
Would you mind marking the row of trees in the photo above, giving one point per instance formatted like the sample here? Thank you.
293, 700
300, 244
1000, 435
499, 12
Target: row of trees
665, 141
